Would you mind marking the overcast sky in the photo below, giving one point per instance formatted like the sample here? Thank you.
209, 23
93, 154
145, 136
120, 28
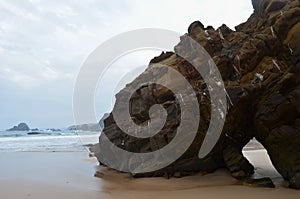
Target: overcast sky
44, 42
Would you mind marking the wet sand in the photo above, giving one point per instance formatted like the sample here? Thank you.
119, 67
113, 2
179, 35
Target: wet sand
65, 175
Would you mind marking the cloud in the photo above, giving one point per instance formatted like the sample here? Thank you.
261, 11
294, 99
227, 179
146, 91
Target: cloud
21, 79
65, 12
19, 11
39, 78
50, 74
44, 43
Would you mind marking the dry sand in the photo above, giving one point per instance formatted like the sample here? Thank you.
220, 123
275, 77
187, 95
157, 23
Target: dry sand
64, 175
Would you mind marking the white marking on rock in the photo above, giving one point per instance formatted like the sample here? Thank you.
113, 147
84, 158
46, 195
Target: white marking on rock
230, 101
291, 50
235, 68
273, 32
239, 61
220, 34
207, 35
275, 63
182, 99
259, 76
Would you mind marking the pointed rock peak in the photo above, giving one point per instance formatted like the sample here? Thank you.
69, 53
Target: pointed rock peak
194, 25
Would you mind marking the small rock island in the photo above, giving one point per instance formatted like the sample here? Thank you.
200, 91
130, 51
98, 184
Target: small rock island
20, 127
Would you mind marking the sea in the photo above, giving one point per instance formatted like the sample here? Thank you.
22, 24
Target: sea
61, 141
47, 140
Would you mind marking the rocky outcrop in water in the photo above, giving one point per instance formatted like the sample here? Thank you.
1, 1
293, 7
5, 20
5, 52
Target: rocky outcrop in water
20, 127
260, 66
91, 126
86, 127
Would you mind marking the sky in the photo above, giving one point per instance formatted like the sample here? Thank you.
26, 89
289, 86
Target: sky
43, 45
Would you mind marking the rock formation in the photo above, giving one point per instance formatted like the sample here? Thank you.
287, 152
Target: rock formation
86, 127
91, 126
260, 67
20, 127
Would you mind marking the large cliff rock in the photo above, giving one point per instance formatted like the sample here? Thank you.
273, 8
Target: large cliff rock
259, 64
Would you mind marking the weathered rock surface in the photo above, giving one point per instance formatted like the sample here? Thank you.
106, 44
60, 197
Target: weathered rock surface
20, 127
262, 182
260, 67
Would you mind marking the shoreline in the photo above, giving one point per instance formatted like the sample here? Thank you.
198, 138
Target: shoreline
36, 175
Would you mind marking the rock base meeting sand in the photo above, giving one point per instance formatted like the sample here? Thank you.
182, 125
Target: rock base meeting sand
48, 175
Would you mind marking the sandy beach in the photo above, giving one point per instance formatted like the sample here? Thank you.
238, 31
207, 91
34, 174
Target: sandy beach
48, 175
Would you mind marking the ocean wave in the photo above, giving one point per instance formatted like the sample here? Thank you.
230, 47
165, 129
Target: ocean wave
56, 141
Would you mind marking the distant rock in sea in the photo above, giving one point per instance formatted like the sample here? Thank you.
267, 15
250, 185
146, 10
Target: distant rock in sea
86, 127
54, 130
21, 127
91, 126
34, 133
